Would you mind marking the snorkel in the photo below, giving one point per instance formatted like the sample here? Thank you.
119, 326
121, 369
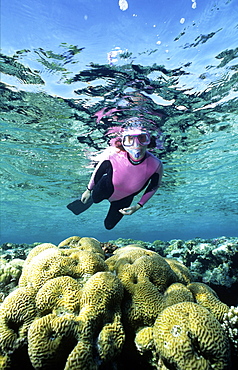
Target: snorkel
136, 155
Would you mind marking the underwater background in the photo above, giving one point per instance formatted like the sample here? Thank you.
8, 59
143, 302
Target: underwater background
71, 70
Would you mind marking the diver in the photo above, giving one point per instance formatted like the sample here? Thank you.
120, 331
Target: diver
122, 175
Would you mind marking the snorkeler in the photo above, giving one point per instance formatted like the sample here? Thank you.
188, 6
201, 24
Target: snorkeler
121, 176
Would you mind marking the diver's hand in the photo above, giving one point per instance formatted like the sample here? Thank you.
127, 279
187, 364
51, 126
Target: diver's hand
130, 210
85, 196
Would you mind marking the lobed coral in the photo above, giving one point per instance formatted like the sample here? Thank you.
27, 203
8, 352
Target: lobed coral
208, 298
62, 292
176, 293
75, 310
146, 276
17, 312
100, 322
48, 262
175, 321
188, 336
50, 340
85, 243
47, 249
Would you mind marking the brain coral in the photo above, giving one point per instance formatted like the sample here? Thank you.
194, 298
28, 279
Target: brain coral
182, 272
82, 263
52, 262
104, 292
128, 255
58, 293
82, 357
132, 263
5, 362
145, 276
50, 341
144, 339
75, 310
188, 336
16, 314
177, 293
42, 265
206, 297
38, 249
69, 338
111, 338
86, 244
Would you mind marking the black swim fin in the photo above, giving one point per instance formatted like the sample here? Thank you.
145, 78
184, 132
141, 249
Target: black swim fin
78, 207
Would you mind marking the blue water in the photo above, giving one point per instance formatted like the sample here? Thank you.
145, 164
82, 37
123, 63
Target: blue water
174, 63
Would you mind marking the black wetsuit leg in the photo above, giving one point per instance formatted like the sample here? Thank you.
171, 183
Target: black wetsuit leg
114, 216
103, 187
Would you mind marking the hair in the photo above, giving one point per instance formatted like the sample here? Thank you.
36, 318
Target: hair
117, 143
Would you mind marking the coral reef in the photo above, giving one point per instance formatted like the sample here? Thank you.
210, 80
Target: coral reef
9, 275
85, 244
230, 325
62, 292
145, 276
97, 306
50, 340
211, 261
10, 251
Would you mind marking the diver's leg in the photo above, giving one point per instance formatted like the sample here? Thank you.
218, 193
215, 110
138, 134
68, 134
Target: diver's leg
114, 216
103, 188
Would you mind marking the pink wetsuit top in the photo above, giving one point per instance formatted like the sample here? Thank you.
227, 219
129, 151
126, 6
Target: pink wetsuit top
129, 178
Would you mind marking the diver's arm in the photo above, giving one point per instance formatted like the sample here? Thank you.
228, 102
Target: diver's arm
85, 196
87, 193
145, 197
130, 210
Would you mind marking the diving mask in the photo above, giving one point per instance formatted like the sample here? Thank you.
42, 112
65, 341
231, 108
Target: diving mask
131, 139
